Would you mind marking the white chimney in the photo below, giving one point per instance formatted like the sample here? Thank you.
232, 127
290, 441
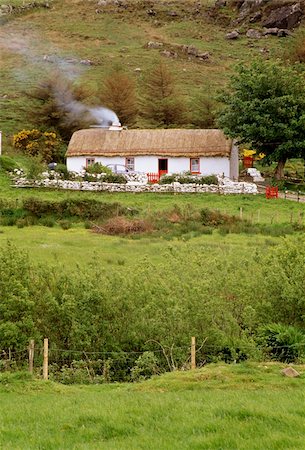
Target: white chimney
116, 126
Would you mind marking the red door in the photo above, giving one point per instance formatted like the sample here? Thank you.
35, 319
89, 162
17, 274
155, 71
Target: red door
162, 166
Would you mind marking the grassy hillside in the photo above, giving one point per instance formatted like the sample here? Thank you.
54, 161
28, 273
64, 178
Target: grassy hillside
38, 42
232, 407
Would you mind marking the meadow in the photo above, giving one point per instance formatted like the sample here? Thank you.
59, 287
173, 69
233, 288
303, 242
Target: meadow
217, 407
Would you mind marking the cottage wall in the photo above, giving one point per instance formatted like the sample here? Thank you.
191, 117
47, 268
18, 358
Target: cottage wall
208, 165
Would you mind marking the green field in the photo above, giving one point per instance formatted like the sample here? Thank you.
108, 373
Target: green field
248, 406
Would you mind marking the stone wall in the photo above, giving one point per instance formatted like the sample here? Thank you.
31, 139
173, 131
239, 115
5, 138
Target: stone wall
225, 186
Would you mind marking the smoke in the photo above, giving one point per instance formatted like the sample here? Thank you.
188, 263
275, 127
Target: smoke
104, 116
75, 112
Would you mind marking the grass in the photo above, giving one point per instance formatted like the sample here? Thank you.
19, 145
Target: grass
217, 407
115, 37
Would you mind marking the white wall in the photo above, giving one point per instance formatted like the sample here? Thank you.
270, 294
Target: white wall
208, 165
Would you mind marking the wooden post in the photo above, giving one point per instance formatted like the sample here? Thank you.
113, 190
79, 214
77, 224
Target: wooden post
193, 353
45, 358
31, 355
241, 213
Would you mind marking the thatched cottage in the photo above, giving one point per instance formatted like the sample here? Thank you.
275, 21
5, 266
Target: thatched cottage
157, 151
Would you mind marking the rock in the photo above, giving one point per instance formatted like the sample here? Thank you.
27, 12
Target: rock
284, 17
204, 55
86, 62
169, 54
290, 372
191, 50
151, 12
220, 3
256, 17
138, 70
247, 7
152, 44
172, 14
270, 31
232, 35
284, 33
253, 34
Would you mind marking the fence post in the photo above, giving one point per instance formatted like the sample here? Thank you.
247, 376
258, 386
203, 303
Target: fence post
241, 213
45, 358
193, 353
31, 355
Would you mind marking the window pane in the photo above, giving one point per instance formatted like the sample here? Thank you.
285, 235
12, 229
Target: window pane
129, 163
194, 165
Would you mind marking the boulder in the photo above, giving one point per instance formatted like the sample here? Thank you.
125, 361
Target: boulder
253, 34
232, 35
153, 44
270, 31
290, 372
256, 17
220, 3
284, 17
284, 33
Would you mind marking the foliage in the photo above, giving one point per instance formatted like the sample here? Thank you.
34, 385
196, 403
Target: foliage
186, 179
7, 164
163, 105
282, 342
145, 366
119, 94
98, 168
204, 115
60, 106
62, 170
264, 107
38, 144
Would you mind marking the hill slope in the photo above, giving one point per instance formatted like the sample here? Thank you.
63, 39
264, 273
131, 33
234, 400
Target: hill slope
84, 41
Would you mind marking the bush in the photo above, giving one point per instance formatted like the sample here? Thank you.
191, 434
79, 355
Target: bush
283, 343
145, 366
98, 168
62, 170
187, 179
7, 164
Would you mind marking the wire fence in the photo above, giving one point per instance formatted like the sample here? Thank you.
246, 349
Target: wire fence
43, 360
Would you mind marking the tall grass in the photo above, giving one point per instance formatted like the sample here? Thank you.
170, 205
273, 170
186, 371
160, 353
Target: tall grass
230, 407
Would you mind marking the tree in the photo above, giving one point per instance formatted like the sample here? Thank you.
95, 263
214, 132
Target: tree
119, 94
265, 107
163, 105
204, 111
60, 105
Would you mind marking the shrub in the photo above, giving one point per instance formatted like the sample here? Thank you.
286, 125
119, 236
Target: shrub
98, 168
65, 224
62, 170
7, 164
145, 366
187, 178
283, 343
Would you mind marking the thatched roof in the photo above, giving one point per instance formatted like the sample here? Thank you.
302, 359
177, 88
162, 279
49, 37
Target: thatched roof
169, 142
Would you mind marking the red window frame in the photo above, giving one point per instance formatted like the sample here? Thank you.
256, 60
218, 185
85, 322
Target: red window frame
130, 166
193, 171
90, 162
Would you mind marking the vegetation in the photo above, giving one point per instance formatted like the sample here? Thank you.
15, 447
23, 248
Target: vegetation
233, 407
265, 108
118, 93
36, 143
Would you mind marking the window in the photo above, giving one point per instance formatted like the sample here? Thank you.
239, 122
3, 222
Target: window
90, 162
195, 165
129, 163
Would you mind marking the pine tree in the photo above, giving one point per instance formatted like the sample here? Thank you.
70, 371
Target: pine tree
163, 106
119, 95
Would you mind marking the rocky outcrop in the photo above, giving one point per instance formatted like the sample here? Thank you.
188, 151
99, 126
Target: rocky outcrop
284, 17
271, 14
